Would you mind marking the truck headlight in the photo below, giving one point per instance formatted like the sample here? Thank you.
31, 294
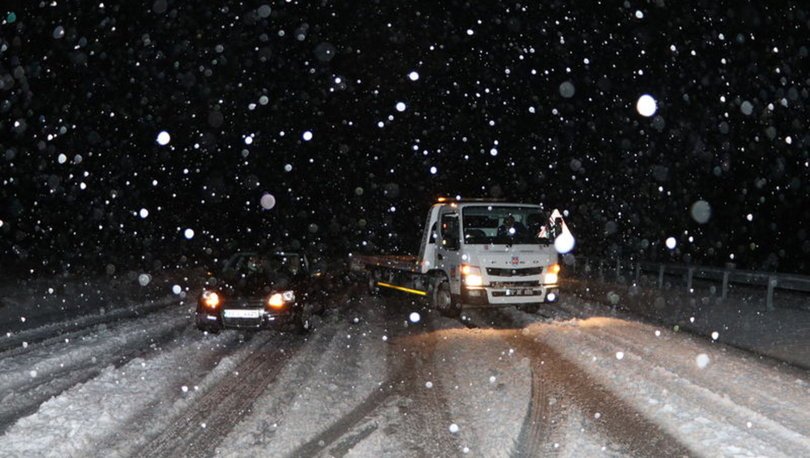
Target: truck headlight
472, 275
550, 277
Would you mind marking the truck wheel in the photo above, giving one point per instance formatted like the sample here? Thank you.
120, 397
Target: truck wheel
373, 289
529, 308
443, 301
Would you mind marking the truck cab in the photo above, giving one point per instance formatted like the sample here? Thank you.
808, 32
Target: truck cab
492, 253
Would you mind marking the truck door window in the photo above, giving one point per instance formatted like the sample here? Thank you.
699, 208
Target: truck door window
433, 234
450, 231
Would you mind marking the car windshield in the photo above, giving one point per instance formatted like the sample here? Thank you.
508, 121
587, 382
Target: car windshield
253, 264
491, 224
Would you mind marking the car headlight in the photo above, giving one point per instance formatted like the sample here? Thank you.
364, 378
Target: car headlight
278, 300
472, 275
210, 299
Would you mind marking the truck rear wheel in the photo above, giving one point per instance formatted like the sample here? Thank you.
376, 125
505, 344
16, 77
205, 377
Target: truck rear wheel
444, 302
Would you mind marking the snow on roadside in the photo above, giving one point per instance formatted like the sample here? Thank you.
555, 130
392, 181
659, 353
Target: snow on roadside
732, 405
79, 421
99, 348
39, 302
339, 368
63, 329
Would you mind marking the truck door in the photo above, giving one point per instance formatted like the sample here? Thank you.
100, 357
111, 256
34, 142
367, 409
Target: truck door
448, 257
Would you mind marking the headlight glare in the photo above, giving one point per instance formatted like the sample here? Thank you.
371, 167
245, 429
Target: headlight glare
210, 299
472, 275
276, 301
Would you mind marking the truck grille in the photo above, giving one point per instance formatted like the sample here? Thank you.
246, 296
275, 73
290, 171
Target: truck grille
509, 272
512, 284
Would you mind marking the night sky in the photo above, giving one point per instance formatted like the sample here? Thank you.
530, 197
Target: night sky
533, 101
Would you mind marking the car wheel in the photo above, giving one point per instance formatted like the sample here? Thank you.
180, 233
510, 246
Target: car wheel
444, 302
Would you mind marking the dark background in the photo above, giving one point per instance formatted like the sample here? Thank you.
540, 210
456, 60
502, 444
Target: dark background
101, 92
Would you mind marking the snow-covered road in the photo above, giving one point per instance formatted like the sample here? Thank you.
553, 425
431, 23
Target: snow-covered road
370, 381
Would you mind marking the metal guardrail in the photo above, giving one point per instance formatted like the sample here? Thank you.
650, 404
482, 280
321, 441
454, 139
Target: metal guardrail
726, 276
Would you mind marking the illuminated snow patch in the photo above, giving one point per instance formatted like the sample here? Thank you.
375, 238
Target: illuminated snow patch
414, 317
307, 135
401, 106
188, 233
176, 289
143, 213
646, 105
702, 360
413, 76
670, 243
454, 428
144, 279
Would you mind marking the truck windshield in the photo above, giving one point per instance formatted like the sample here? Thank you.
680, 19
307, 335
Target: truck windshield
488, 224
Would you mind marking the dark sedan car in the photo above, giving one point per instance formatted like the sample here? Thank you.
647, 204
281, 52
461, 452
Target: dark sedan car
258, 291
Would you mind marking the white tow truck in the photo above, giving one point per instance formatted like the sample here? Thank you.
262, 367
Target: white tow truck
478, 253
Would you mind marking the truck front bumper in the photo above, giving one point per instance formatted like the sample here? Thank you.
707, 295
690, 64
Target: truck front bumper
487, 296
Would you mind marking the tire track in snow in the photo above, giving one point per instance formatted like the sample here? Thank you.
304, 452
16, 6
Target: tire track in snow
197, 432
786, 428
625, 426
411, 361
541, 418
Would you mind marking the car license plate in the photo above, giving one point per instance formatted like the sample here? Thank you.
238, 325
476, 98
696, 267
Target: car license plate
519, 292
242, 313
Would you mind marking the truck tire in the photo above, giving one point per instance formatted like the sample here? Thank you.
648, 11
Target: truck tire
444, 302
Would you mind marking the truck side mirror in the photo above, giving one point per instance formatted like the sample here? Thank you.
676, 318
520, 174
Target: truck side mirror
450, 232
